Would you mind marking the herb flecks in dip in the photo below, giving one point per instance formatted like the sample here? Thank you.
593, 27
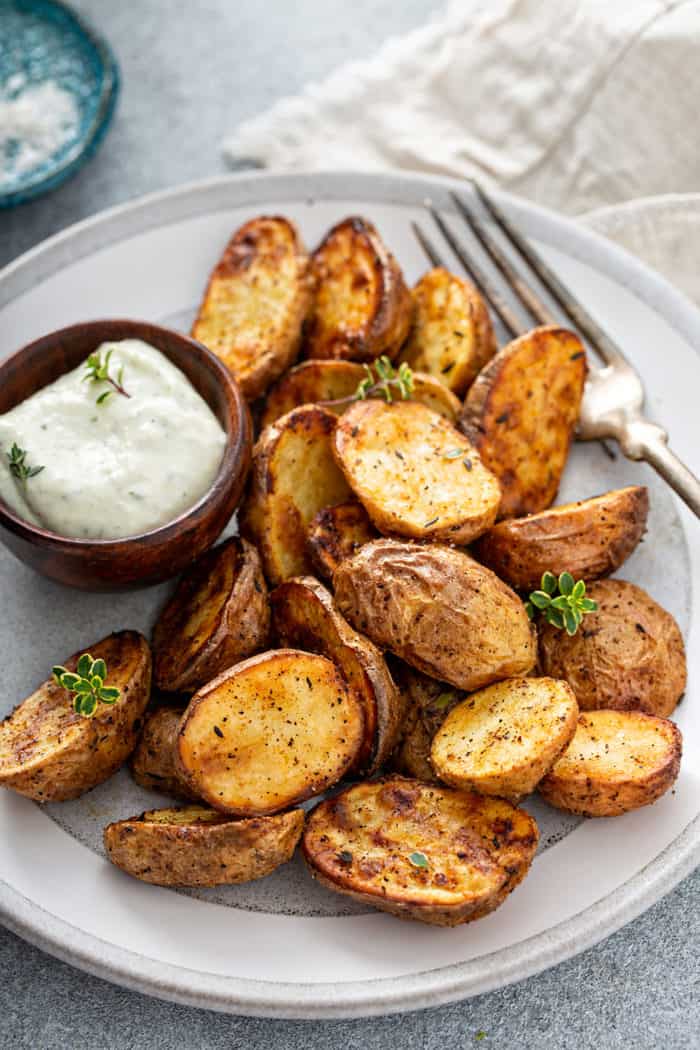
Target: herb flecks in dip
118, 468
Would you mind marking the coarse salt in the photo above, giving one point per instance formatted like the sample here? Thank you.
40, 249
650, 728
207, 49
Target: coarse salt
34, 124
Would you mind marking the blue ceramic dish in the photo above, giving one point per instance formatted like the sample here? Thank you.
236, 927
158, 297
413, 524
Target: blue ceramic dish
45, 43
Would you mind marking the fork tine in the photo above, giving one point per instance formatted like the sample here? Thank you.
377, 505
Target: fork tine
487, 289
525, 294
580, 317
428, 247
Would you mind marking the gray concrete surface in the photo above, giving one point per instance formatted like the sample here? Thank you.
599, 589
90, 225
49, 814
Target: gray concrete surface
191, 72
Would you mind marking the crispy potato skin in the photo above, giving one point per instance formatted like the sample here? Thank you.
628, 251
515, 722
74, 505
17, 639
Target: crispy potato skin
218, 615
503, 739
51, 754
415, 474
627, 656
269, 733
478, 850
521, 412
452, 336
428, 702
294, 476
153, 761
336, 533
305, 617
437, 609
314, 382
200, 847
363, 308
255, 304
616, 761
589, 539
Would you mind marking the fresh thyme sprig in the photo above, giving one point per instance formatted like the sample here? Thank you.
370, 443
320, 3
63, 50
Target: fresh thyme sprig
381, 380
97, 371
87, 684
565, 609
17, 462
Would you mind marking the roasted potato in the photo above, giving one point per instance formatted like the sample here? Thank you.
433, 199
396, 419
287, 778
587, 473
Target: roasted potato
196, 846
428, 702
50, 753
153, 761
418, 850
589, 539
627, 656
521, 412
270, 732
452, 336
305, 617
314, 382
294, 476
336, 533
218, 615
438, 609
616, 761
414, 473
363, 308
255, 304
503, 739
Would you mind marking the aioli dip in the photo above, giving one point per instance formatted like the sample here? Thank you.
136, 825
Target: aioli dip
118, 468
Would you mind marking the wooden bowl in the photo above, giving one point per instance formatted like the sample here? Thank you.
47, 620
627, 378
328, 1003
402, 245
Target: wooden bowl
135, 561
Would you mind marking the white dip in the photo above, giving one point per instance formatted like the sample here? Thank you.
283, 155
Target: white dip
117, 468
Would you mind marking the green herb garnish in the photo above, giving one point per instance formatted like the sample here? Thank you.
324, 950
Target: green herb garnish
87, 683
17, 462
381, 380
97, 371
418, 860
453, 453
444, 700
480, 1035
565, 609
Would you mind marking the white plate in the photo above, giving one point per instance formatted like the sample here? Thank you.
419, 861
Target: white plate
283, 946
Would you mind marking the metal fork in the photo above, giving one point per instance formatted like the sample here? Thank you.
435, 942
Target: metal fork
613, 401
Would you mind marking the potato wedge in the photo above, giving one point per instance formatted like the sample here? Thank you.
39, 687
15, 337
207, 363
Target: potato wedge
437, 609
314, 382
363, 308
153, 761
452, 336
305, 617
255, 304
50, 753
521, 412
616, 761
428, 702
294, 476
502, 740
589, 539
414, 473
196, 846
420, 851
270, 732
336, 533
218, 615
628, 656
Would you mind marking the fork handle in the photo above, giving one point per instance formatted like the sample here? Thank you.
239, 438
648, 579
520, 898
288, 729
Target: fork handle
641, 439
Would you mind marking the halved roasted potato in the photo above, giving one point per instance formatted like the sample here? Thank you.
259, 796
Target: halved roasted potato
414, 473
503, 739
255, 304
438, 609
50, 753
336, 533
616, 761
270, 732
294, 476
452, 336
428, 703
153, 761
196, 846
420, 851
363, 308
218, 615
305, 617
629, 655
589, 539
521, 412
314, 382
